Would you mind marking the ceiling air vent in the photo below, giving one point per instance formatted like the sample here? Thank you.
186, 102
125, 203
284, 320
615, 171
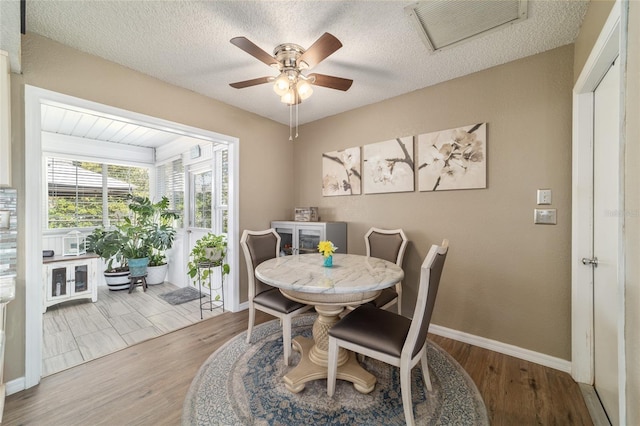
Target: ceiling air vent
445, 23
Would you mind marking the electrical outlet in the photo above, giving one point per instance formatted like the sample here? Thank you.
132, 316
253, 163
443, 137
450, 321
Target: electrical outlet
544, 216
544, 197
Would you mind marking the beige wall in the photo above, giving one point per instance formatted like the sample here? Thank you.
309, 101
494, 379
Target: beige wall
265, 151
589, 31
506, 279
632, 201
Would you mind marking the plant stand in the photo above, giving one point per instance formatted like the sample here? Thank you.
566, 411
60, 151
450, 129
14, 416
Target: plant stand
137, 281
205, 280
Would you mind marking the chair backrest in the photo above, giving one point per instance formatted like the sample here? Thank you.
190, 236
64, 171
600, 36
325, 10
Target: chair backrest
387, 244
258, 246
430, 273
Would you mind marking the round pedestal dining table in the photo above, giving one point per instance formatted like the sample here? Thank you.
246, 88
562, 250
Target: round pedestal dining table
351, 281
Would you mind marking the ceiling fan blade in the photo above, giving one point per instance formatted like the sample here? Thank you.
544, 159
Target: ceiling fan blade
323, 47
331, 82
253, 50
249, 83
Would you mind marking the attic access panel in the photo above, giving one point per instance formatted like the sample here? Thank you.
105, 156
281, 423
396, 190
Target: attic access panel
445, 23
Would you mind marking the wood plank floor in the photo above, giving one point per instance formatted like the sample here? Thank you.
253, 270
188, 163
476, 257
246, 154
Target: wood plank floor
146, 384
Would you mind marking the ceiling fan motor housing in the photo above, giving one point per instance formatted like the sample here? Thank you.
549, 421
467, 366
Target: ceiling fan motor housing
287, 55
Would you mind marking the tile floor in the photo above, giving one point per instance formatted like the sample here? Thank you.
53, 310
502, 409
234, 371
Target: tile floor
79, 331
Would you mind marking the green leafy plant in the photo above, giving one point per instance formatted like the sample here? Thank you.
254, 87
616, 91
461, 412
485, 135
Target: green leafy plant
157, 259
107, 244
209, 251
146, 232
148, 227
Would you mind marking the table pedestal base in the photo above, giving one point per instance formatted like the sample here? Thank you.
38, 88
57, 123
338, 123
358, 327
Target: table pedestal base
306, 370
313, 357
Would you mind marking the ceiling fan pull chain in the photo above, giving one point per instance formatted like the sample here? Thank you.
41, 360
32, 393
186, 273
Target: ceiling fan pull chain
297, 119
290, 123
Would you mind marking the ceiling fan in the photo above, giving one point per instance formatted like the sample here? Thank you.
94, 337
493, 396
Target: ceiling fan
291, 59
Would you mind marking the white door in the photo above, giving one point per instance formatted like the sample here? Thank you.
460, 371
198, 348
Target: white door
207, 201
199, 204
606, 223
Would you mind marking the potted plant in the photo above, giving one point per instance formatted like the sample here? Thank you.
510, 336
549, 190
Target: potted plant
142, 236
107, 244
150, 232
209, 251
157, 268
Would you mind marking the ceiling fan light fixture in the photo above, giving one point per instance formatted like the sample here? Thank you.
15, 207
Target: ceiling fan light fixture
281, 84
304, 89
289, 97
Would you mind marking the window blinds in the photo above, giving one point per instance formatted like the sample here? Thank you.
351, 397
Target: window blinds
77, 191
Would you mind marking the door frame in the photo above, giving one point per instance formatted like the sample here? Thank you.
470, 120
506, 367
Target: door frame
193, 233
609, 45
33, 196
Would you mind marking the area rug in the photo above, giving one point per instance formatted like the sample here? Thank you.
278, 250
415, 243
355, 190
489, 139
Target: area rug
181, 295
241, 384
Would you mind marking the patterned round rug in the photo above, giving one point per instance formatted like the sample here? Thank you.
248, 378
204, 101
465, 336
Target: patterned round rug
241, 384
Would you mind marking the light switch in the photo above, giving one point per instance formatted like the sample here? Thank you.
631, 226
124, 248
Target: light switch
544, 197
544, 216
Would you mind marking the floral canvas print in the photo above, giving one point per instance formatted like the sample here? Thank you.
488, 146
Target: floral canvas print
453, 159
341, 172
388, 166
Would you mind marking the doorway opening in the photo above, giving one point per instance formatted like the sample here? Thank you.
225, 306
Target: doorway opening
172, 140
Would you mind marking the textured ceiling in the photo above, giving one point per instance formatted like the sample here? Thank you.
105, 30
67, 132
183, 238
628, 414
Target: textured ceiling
186, 43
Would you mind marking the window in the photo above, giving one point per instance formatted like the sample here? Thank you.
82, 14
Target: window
170, 183
209, 182
222, 204
86, 194
202, 188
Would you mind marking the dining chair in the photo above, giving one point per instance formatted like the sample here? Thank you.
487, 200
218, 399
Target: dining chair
259, 246
387, 244
390, 337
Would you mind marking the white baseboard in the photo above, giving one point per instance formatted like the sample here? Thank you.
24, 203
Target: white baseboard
242, 307
503, 348
15, 386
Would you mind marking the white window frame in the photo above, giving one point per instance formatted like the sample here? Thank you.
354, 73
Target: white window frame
218, 207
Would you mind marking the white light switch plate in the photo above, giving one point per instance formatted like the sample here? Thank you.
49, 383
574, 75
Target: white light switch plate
544, 196
544, 216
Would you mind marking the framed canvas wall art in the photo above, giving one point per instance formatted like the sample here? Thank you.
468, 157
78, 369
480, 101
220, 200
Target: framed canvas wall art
388, 166
341, 172
453, 159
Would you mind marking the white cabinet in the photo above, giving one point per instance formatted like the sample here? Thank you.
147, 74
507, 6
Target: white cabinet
67, 278
303, 237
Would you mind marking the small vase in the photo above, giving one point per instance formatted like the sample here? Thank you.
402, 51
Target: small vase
328, 261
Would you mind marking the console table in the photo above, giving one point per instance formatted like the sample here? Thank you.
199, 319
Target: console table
69, 278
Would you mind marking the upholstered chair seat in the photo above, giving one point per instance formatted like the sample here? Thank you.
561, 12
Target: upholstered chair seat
273, 299
390, 329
